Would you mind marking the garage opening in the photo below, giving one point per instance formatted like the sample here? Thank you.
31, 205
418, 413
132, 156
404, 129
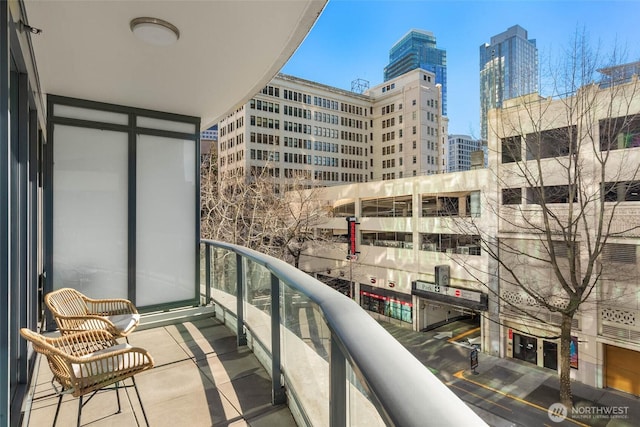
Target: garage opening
622, 367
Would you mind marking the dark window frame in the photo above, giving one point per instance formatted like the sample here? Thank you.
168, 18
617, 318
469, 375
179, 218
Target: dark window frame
512, 196
552, 194
551, 143
619, 133
451, 243
621, 191
511, 149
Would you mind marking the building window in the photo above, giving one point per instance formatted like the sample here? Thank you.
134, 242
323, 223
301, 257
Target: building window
511, 196
345, 210
511, 149
467, 204
628, 191
439, 206
551, 143
387, 239
550, 194
619, 133
395, 307
451, 243
388, 207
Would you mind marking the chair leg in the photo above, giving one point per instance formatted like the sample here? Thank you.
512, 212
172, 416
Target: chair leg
55, 418
118, 397
79, 410
140, 400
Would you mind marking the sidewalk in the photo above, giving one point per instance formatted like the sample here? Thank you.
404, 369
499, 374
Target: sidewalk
520, 381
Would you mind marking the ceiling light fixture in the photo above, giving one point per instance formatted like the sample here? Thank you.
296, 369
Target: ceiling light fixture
155, 31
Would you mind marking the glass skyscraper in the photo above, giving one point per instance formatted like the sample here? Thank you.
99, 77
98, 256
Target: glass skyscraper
508, 69
417, 49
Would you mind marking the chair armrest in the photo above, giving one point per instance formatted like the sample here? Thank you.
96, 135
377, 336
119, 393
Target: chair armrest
110, 307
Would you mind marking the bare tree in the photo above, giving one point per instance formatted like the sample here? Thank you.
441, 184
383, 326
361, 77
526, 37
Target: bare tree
303, 213
258, 213
563, 173
208, 191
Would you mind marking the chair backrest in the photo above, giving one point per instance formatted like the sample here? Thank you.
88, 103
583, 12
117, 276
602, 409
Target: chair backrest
57, 359
66, 302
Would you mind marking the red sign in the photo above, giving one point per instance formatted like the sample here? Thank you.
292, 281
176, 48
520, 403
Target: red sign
458, 293
510, 334
352, 235
384, 298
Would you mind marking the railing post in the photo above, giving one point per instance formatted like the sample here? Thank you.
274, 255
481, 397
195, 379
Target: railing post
278, 395
207, 272
337, 386
241, 335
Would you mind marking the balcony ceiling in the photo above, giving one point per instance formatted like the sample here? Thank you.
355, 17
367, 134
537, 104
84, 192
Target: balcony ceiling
227, 51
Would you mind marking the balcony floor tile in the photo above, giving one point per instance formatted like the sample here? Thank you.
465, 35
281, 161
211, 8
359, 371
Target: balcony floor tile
200, 378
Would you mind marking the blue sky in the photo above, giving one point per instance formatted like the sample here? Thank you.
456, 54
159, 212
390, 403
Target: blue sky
351, 39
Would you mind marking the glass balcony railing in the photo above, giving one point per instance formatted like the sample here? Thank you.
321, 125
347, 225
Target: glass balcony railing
328, 359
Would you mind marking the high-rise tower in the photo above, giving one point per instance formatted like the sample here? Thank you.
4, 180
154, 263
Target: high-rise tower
508, 69
417, 49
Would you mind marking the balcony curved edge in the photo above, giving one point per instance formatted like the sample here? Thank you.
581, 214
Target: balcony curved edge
402, 387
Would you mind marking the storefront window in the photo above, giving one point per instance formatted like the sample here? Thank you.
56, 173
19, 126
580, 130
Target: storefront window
396, 308
525, 348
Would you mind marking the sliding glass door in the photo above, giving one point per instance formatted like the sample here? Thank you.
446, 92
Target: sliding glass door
124, 203
90, 190
165, 189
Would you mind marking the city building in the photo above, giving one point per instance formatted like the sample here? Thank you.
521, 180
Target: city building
210, 134
417, 49
618, 74
417, 264
508, 69
209, 140
295, 128
409, 133
459, 153
604, 140
422, 243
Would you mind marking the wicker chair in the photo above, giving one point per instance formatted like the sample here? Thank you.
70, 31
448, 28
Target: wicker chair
75, 312
89, 361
